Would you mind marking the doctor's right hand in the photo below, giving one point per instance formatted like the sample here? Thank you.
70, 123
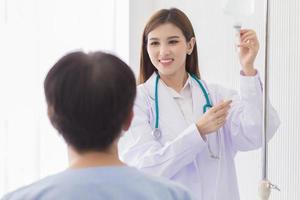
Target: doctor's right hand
214, 118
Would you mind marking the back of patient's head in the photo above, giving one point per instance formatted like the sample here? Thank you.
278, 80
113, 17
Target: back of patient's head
89, 98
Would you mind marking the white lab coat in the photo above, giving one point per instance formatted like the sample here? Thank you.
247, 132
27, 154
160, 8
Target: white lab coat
181, 154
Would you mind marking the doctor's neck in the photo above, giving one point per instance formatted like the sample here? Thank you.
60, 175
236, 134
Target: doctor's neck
108, 157
175, 81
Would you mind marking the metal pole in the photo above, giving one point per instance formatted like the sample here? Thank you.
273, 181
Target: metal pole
265, 96
265, 185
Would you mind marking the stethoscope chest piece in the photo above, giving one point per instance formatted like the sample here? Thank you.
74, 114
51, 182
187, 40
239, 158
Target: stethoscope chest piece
156, 133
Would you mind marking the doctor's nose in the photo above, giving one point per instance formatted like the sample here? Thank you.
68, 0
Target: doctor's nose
164, 50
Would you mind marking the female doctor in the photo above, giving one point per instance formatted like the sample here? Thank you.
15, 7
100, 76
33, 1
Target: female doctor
183, 129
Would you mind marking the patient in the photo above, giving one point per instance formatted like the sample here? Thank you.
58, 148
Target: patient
90, 99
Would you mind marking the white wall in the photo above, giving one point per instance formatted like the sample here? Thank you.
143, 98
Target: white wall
215, 38
139, 13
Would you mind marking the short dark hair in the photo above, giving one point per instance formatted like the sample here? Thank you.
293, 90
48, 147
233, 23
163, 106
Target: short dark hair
89, 97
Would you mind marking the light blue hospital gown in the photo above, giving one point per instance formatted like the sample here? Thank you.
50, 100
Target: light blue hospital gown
97, 183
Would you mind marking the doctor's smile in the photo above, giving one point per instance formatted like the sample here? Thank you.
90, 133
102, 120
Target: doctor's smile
166, 62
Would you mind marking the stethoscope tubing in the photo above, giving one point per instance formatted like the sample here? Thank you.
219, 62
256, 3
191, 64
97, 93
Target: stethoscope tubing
205, 107
156, 133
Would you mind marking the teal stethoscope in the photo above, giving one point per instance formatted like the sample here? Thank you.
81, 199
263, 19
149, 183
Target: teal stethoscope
156, 133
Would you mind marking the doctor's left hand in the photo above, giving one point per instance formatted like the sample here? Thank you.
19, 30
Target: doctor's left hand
214, 118
249, 46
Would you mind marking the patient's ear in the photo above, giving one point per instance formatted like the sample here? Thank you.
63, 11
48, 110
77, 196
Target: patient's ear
50, 112
51, 115
128, 120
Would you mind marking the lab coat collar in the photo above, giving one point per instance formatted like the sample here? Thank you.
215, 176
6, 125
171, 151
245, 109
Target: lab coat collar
166, 101
169, 112
150, 83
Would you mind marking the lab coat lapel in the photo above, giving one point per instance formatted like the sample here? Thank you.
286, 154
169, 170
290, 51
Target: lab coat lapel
170, 116
198, 100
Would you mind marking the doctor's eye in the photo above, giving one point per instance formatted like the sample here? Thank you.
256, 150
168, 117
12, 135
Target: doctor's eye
173, 41
154, 43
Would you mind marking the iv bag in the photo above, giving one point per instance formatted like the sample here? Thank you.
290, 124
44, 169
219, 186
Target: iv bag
238, 8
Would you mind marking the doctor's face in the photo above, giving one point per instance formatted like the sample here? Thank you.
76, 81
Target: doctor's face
167, 49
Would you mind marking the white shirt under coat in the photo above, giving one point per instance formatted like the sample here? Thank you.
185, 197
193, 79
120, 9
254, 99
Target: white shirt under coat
181, 154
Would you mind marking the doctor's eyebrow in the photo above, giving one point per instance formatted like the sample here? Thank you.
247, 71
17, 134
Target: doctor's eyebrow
169, 38
173, 37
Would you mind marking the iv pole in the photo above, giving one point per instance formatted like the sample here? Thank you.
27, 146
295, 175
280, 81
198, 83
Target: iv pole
240, 9
265, 185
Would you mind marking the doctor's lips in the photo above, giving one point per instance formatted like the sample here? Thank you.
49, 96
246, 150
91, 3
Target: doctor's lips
166, 61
